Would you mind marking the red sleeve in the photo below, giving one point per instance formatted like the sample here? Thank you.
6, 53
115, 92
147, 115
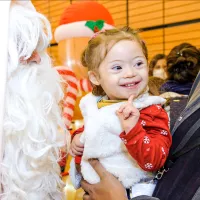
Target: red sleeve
150, 140
78, 131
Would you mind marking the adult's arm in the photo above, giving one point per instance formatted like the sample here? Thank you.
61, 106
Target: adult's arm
109, 188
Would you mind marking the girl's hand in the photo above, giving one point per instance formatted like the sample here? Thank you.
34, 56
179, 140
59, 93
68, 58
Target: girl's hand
76, 148
128, 114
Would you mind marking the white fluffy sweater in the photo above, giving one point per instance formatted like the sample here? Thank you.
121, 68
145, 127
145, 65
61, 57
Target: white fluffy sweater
101, 140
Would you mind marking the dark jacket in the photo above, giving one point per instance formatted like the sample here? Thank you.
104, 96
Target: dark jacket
182, 181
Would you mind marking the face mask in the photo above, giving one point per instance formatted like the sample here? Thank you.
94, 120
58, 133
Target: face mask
160, 73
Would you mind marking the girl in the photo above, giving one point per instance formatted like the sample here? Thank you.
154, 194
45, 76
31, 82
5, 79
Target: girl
130, 138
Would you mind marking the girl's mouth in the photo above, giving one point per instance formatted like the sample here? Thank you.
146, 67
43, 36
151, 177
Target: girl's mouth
131, 85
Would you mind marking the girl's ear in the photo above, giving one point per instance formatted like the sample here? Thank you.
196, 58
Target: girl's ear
93, 77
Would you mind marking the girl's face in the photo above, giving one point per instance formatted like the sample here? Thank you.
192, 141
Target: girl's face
160, 69
123, 72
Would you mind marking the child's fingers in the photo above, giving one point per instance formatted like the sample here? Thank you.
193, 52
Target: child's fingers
71, 153
79, 144
128, 110
130, 99
120, 115
76, 153
121, 108
74, 147
78, 149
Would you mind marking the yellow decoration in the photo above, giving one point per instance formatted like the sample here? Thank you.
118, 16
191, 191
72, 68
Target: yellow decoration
104, 102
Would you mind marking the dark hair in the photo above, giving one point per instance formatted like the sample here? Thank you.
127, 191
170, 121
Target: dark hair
183, 63
153, 62
99, 46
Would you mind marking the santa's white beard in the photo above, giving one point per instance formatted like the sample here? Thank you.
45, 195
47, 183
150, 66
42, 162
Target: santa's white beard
31, 139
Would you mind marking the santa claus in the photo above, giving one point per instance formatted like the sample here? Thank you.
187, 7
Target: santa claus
32, 118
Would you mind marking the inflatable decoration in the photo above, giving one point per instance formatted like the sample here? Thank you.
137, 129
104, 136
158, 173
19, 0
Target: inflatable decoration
78, 24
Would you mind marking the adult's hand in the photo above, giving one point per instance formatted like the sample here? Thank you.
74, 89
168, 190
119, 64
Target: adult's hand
109, 188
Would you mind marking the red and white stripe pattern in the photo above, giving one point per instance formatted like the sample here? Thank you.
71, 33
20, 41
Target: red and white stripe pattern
84, 85
74, 88
70, 93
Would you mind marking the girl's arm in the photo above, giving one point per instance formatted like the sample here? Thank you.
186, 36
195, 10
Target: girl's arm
76, 147
149, 141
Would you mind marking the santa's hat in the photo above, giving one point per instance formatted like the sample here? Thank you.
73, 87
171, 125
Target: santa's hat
83, 19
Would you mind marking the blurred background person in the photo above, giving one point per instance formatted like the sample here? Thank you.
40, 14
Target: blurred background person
157, 73
158, 66
183, 64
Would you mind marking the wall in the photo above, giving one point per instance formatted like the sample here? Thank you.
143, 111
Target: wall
166, 23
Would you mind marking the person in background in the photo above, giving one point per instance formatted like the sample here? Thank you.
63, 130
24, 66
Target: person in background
183, 65
157, 73
158, 66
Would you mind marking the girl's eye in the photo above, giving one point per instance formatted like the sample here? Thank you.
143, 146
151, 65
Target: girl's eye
138, 64
117, 67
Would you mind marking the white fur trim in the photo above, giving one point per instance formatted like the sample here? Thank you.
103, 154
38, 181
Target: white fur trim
75, 29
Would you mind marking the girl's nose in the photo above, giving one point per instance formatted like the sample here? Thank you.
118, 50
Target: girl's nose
130, 72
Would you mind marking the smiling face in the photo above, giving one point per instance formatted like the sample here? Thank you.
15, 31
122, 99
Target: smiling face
123, 72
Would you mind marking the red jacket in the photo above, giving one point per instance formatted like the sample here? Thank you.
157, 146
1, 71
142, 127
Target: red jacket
149, 140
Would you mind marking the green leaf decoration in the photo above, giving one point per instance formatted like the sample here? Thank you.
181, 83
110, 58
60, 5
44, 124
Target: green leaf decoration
95, 25
100, 24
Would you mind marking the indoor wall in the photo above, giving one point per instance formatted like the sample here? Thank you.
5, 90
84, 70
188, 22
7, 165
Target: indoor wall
165, 23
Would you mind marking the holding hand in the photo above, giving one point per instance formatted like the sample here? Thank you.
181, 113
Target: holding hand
128, 114
109, 188
76, 148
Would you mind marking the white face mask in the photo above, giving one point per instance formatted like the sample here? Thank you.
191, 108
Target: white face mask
160, 73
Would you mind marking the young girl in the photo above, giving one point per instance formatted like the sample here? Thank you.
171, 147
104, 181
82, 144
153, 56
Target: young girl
124, 127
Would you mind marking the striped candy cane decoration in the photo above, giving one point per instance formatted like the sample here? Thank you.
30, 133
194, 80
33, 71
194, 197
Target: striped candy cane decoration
70, 93
84, 85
